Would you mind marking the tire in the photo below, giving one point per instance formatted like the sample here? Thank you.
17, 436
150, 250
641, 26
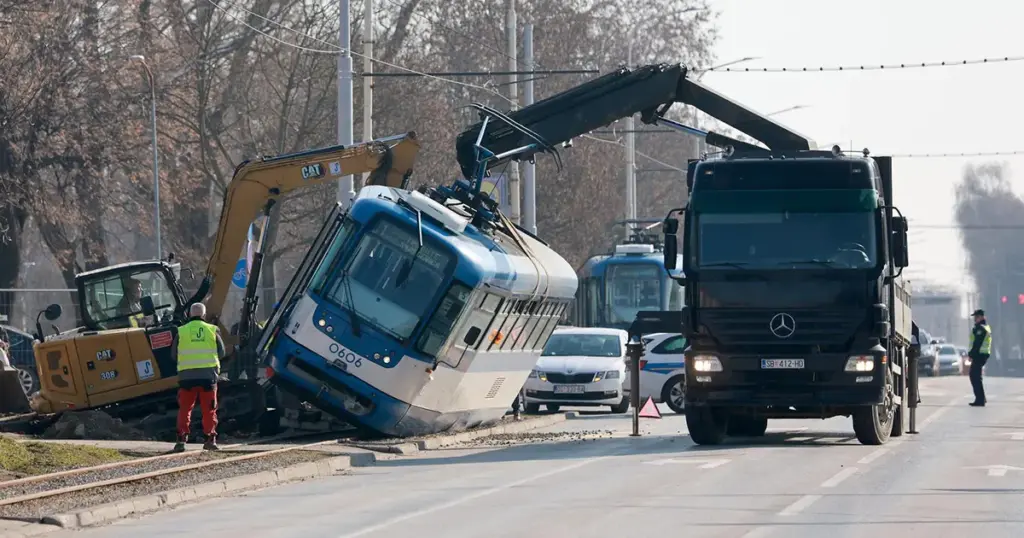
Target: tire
531, 408
622, 407
743, 426
873, 423
673, 398
707, 425
553, 408
29, 381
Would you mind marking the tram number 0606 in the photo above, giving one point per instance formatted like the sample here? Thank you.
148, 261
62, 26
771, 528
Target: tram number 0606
345, 357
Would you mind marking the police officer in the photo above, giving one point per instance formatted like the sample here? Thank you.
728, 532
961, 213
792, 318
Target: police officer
198, 348
981, 347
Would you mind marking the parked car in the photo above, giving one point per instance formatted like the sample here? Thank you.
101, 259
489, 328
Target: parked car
662, 370
579, 367
22, 357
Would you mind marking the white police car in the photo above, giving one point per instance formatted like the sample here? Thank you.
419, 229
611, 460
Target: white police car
662, 370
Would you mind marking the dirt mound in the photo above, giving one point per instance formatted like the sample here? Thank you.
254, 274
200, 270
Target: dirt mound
95, 425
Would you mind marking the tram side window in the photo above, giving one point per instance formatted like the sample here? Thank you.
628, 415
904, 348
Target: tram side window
443, 319
500, 327
531, 325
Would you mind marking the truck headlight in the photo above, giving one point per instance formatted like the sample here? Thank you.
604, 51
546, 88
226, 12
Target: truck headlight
706, 363
860, 363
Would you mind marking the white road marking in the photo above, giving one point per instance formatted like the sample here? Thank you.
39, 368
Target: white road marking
799, 505
997, 470
839, 477
1018, 436
800, 439
941, 411
472, 496
707, 464
758, 532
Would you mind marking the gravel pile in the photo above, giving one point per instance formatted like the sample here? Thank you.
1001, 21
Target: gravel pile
107, 474
95, 425
80, 500
509, 439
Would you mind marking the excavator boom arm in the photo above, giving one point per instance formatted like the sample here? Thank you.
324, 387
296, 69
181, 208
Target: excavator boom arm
258, 182
648, 90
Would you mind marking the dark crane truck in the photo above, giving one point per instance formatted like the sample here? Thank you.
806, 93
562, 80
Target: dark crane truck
792, 260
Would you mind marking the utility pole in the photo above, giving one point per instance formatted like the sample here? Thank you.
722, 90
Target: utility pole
367, 78
513, 96
530, 168
345, 187
156, 154
630, 159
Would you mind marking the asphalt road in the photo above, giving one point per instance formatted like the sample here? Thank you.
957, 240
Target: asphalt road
963, 475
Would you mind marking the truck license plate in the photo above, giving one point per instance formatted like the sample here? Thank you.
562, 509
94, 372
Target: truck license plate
782, 364
569, 389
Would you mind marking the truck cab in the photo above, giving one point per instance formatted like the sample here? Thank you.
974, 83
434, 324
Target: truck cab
794, 308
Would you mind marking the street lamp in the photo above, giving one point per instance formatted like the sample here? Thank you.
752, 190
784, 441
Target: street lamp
156, 159
784, 110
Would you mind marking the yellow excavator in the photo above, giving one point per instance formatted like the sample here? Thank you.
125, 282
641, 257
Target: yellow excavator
120, 359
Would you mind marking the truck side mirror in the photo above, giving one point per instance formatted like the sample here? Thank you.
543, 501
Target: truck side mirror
900, 254
671, 227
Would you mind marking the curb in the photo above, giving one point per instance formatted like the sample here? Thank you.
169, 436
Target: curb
413, 447
105, 513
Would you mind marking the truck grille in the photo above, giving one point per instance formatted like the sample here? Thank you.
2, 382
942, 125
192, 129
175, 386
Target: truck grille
752, 327
570, 378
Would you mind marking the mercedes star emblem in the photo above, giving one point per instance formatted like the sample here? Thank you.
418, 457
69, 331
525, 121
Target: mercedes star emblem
782, 325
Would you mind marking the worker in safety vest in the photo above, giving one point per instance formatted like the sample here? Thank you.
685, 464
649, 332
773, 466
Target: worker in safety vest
198, 348
980, 348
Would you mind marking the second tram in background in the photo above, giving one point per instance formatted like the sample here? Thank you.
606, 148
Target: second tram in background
614, 287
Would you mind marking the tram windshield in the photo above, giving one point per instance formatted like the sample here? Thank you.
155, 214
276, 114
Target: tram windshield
633, 288
390, 280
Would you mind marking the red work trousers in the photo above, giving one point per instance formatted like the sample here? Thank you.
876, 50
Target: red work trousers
207, 403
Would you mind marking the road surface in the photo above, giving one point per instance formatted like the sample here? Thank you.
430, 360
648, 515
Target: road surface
963, 475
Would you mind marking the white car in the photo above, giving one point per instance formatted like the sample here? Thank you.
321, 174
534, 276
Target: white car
579, 367
662, 370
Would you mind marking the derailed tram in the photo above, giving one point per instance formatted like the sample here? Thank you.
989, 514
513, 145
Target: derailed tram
417, 312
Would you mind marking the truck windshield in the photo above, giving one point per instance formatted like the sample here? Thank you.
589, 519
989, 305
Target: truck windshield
796, 240
632, 288
367, 286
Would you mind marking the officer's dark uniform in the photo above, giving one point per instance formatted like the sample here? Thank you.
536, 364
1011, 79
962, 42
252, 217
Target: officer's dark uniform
981, 347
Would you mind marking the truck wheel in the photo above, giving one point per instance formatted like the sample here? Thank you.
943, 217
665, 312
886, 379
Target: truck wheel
873, 423
674, 394
707, 425
743, 426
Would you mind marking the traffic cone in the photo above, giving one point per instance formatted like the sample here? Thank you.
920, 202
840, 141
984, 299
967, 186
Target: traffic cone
649, 409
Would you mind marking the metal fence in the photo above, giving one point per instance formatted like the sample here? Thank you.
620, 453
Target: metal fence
25, 304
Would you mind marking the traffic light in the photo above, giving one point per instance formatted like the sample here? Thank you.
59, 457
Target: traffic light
1004, 299
1020, 298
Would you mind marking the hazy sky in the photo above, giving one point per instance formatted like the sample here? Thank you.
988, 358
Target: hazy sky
909, 111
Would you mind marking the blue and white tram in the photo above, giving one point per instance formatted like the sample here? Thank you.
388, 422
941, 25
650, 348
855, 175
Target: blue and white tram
614, 288
408, 319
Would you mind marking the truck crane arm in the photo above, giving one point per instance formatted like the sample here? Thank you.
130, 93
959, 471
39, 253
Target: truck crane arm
258, 183
648, 90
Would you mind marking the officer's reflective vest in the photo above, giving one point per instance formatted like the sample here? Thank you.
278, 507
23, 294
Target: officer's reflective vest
136, 319
986, 344
197, 346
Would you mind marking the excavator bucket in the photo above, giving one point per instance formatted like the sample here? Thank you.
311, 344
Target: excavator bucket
12, 396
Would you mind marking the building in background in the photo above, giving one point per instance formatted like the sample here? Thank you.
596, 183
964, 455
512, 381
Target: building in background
942, 311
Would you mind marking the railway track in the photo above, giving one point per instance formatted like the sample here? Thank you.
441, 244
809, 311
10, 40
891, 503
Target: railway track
31, 496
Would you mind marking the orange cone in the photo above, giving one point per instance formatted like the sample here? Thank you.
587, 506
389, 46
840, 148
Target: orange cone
649, 410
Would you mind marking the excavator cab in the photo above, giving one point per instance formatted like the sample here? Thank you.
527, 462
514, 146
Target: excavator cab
123, 348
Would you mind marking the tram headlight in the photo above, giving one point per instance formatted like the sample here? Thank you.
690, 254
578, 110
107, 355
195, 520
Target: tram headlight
706, 363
